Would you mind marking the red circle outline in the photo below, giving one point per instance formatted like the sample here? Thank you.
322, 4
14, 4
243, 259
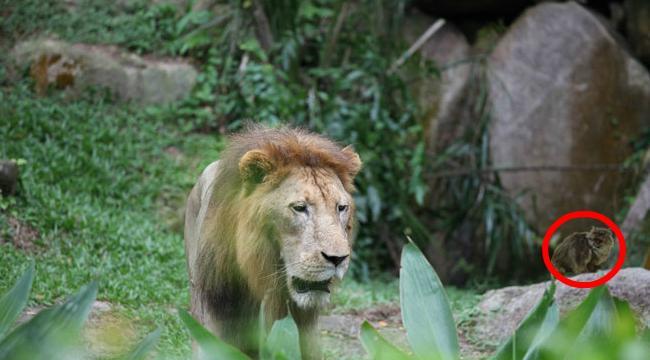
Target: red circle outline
581, 215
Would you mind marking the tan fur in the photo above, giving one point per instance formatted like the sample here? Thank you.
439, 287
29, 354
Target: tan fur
245, 241
583, 251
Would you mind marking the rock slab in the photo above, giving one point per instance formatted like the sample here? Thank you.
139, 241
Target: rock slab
564, 92
501, 311
129, 77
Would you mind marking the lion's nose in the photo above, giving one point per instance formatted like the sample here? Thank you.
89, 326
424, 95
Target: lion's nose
336, 260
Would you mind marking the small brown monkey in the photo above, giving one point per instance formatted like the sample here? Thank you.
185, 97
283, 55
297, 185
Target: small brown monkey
583, 251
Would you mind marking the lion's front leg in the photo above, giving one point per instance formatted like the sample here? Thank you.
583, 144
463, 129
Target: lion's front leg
310, 346
307, 322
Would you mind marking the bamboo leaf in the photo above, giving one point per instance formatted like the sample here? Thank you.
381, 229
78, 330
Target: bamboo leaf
212, 348
283, 340
519, 343
625, 326
426, 314
602, 318
377, 346
551, 320
569, 330
52, 332
145, 346
13, 302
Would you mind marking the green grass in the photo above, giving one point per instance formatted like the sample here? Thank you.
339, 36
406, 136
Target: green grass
94, 179
384, 290
353, 295
135, 25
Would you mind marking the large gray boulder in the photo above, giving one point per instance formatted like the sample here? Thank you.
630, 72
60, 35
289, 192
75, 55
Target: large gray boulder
443, 100
564, 93
144, 80
501, 311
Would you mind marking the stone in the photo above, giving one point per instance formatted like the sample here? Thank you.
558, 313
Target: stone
98, 308
564, 92
129, 77
501, 311
8, 177
637, 25
442, 99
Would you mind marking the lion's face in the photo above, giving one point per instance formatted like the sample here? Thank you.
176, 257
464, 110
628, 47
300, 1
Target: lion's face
312, 215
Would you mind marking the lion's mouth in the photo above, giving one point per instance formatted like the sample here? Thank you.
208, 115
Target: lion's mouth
302, 286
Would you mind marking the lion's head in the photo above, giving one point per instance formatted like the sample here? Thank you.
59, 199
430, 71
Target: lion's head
288, 208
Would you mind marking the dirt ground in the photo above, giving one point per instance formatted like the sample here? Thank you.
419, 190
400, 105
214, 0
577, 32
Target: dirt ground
341, 334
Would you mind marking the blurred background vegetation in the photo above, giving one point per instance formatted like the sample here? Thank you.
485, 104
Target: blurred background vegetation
104, 172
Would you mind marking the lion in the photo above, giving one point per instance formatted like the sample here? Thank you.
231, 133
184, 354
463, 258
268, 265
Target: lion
271, 222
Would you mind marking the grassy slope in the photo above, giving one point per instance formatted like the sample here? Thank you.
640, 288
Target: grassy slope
94, 177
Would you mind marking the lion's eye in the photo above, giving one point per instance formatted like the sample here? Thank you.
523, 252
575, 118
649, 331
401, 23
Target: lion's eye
299, 207
342, 208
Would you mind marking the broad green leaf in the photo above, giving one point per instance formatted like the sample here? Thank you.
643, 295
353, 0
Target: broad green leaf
212, 348
377, 346
283, 340
551, 320
598, 337
13, 301
564, 338
635, 350
430, 326
52, 332
602, 318
576, 320
625, 325
144, 347
519, 343
645, 336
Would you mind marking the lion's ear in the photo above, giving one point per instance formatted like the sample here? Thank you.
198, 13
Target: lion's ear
353, 160
255, 165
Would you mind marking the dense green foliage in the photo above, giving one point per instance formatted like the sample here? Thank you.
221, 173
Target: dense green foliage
300, 80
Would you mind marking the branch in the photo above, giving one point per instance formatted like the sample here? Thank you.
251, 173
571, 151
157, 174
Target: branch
417, 45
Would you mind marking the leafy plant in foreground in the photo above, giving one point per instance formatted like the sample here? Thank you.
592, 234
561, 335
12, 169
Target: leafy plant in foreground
601, 327
281, 342
53, 333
